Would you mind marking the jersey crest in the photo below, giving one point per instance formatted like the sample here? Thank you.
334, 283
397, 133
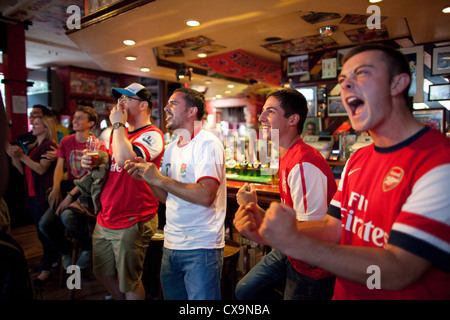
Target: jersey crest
393, 178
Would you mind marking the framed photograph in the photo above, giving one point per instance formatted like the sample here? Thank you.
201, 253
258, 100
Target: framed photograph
329, 68
434, 118
441, 60
297, 65
439, 92
311, 98
313, 122
336, 107
415, 59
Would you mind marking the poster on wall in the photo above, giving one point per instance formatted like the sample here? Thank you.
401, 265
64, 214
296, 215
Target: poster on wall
415, 59
329, 68
297, 65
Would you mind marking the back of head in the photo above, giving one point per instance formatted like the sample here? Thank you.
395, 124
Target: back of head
292, 102
194, 98
45, 110
396, 61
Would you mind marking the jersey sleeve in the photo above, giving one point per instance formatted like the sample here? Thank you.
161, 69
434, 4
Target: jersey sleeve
423, 225
308, 186
210, 161
148, 145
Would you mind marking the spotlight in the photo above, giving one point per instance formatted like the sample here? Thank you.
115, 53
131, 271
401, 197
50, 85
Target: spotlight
183, 71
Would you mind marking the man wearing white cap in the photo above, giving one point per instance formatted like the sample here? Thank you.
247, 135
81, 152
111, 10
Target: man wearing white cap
119, 246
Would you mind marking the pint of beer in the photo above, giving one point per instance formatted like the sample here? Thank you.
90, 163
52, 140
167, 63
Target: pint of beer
92, 146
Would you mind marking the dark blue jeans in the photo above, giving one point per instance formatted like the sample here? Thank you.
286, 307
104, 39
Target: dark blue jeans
274, 278
49, 255
191, 274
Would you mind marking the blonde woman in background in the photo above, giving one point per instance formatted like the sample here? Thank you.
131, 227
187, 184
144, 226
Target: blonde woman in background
38, 174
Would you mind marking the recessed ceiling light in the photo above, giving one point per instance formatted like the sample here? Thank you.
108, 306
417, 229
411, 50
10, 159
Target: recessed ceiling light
202, 55
144, 69
192, 23
129, 42
131, 58
446, 10
375, 1
230, 86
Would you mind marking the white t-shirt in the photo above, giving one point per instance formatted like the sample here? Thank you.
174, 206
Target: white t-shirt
188, 225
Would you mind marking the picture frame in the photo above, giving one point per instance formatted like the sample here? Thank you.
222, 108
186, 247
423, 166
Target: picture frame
329, 70
335, 107
438, 92
434, 118
297, 65
317, 122
310, 94
415, 59
441, 61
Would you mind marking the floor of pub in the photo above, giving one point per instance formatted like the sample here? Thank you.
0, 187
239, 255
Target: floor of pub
91, 288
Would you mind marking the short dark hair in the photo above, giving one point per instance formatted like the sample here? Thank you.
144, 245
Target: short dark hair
396, 61
45, 110
194, 98
292, 102
92, 115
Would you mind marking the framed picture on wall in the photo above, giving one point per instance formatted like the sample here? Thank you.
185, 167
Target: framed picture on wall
317, 124
439, 92
297, 65
415, 59
336, 107
441, 60
310, 94
434, 118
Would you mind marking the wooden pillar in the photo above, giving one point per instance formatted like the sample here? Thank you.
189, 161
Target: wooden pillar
15, 73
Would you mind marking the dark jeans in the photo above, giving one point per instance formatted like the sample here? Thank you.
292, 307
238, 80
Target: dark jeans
274, 278
76, 222
50, 255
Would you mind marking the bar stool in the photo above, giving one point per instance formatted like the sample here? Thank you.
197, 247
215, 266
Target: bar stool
229, 272
152, 266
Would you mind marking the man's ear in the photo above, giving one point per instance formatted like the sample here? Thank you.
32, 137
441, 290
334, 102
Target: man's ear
193, 111
400, 83
294, 119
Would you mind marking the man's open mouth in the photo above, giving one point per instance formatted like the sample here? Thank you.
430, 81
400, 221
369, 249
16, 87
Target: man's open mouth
354, 103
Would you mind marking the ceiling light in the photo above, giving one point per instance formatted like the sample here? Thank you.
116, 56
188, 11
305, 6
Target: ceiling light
131, 58
144, 69
327, 31
182, 71
129, 42
375, 1
202, 55
192, 23
446, 10
230, 86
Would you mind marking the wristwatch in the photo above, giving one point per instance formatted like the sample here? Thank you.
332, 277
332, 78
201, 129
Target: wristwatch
117, 125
